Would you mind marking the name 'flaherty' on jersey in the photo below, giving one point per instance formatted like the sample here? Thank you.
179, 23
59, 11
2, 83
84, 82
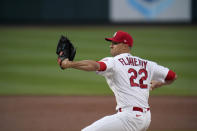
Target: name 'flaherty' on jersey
133, 61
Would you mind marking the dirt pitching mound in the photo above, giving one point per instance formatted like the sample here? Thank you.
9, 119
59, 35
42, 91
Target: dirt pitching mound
72, 113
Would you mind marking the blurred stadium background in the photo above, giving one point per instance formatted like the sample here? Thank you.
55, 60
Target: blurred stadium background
164, 31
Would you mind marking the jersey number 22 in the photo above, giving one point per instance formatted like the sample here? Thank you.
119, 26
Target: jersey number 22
135, 75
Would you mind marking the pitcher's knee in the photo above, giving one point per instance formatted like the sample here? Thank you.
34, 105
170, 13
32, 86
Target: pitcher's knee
87, 129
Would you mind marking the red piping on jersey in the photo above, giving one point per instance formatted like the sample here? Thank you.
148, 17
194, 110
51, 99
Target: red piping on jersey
103, 66
171, 75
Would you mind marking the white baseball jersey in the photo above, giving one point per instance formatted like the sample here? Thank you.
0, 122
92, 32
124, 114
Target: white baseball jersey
129, 78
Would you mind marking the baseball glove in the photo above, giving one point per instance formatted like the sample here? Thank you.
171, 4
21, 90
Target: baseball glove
65, 50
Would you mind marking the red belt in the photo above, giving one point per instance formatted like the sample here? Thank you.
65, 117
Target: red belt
135, 109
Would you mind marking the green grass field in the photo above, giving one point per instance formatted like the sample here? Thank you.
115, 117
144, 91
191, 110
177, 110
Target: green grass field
28, 63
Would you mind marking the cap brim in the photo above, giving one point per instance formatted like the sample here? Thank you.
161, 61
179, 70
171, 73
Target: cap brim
109, 39
112, 39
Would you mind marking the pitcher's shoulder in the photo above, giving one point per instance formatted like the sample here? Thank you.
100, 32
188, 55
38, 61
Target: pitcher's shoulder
106, 58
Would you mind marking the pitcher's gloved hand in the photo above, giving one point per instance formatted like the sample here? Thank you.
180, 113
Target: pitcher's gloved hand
65, 50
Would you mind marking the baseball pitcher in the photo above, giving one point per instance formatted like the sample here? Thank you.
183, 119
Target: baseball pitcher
129, 77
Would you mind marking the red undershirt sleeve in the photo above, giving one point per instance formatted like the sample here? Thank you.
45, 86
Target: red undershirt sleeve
171, 75
103, 66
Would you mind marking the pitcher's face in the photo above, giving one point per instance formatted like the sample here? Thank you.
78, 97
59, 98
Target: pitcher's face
115, 48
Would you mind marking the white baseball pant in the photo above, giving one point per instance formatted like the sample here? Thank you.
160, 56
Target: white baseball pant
126, 120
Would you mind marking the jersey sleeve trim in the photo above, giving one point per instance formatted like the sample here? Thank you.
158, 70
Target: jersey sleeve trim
171, 75
103, 66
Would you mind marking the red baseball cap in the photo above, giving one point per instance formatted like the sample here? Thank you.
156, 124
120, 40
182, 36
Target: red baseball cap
121, 37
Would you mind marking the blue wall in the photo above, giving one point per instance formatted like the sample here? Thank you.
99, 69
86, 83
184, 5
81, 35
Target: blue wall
47, 11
